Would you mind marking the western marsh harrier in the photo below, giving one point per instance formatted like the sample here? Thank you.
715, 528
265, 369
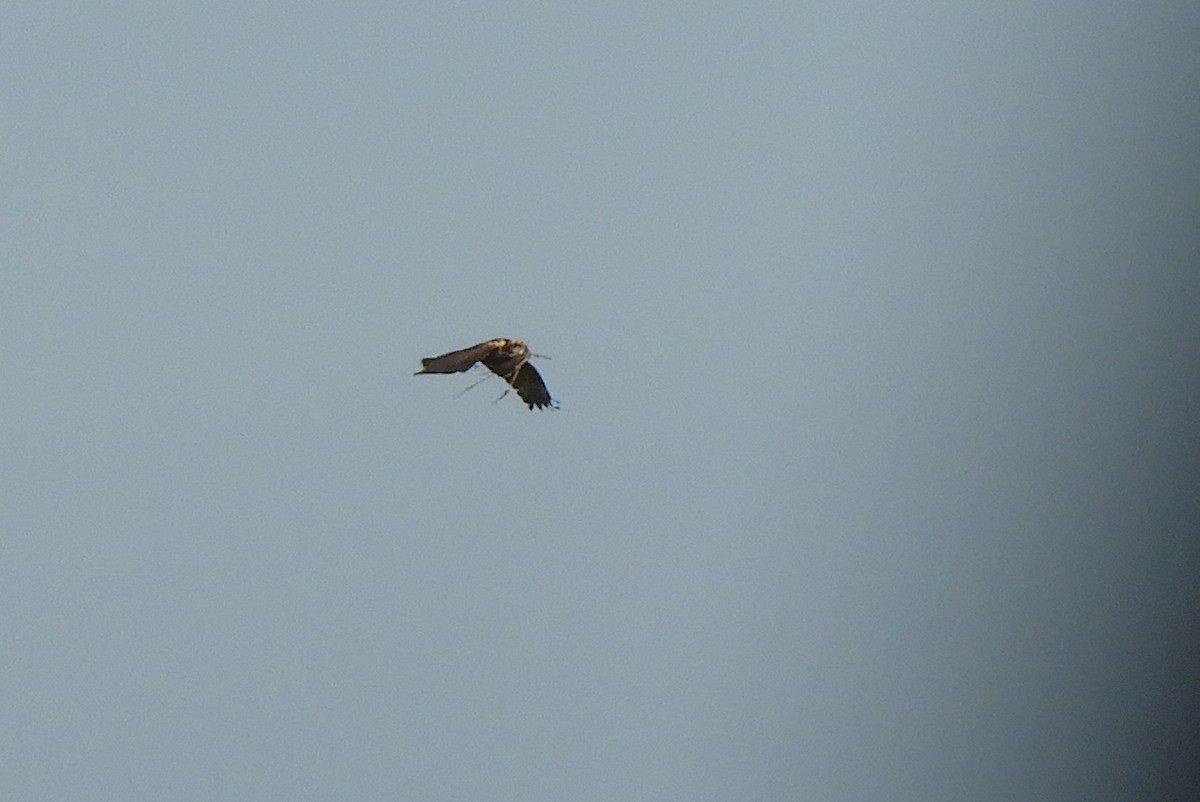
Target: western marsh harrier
508, 359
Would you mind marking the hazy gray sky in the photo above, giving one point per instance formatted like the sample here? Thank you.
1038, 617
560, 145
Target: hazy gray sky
875, 334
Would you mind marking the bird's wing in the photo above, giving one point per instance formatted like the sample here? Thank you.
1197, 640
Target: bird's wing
455, 361
529, 385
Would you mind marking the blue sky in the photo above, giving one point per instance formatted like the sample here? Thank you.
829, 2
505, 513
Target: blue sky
874, 332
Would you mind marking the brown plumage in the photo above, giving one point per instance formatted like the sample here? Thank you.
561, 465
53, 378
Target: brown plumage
508, 359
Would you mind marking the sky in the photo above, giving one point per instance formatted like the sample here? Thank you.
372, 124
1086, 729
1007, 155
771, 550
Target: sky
874, 332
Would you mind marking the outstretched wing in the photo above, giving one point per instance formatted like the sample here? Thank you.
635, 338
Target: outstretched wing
455, 361
529, 385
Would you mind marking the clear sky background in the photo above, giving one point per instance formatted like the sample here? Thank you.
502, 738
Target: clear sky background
874, 328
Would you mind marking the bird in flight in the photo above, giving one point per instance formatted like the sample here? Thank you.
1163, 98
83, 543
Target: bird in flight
508, 359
